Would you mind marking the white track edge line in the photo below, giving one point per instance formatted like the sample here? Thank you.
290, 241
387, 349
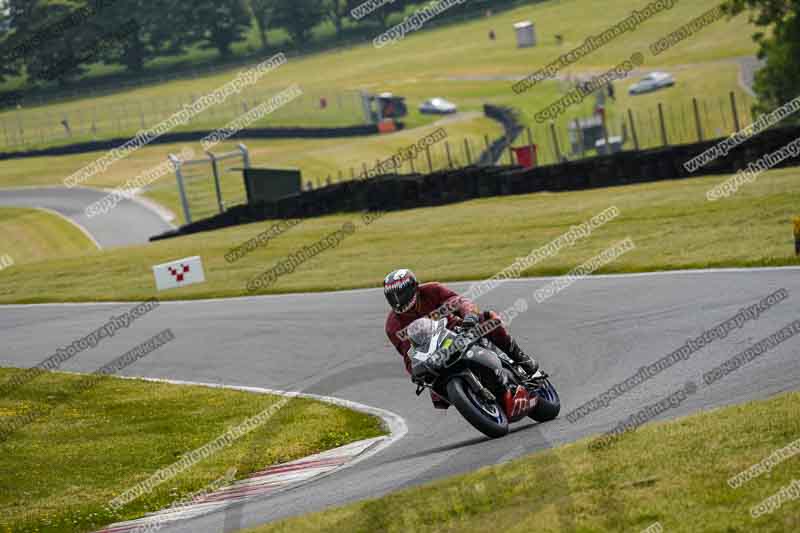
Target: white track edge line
162, 212
395, 423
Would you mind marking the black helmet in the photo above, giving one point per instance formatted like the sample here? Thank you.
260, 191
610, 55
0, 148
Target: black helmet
400, 289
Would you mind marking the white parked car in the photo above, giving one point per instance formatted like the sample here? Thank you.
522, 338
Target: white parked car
652, 82
437, 106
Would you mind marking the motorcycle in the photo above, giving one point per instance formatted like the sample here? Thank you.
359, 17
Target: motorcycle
483, 383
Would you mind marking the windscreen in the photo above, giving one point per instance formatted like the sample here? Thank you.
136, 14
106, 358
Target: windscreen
420, 332
425, 335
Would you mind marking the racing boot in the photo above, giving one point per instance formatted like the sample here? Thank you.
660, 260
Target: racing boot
528, 364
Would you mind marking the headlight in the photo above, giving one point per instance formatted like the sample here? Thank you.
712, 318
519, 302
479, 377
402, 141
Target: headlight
437, 359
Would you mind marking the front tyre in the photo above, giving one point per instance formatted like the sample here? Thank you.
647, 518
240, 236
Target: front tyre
486, 417
548, 404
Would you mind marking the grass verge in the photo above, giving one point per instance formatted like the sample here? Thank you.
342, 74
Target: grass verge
674, 473
59, 472
30, 235
671, 223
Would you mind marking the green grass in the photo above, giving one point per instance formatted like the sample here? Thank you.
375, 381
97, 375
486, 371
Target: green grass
30, 235
40, 128
671, 223
421, 66
59, 473
674, 473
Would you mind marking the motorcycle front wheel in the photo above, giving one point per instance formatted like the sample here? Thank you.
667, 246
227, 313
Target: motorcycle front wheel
487, 417
548, 403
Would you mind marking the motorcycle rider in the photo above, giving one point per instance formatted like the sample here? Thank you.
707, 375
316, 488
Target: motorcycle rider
409, 301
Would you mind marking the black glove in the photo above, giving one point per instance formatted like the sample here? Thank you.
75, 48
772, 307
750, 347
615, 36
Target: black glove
417, 372
470, 321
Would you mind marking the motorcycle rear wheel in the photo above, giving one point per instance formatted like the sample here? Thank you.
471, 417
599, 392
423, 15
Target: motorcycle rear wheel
486, 417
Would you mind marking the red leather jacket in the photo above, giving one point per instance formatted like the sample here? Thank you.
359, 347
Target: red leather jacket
430, 297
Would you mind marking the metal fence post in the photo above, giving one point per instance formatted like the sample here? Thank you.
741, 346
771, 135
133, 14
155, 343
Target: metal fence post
576, 127
736, 126
179, 177
633, 130
664, 140
467, 151
449, 159
245, 155
604, 125
556, 148
215, 170
428, 154
698, 125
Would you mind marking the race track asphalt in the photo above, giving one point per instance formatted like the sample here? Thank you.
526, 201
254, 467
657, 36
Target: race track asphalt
589, 337
131, 223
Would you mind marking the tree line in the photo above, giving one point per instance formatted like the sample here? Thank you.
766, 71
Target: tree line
56, 40
778, 37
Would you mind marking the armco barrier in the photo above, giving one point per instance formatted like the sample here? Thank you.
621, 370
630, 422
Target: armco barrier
191, 136
394, 192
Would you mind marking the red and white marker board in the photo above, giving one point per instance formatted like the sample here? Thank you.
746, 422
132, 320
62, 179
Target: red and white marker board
179, 273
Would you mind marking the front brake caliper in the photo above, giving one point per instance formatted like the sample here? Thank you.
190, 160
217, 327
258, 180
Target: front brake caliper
477, 386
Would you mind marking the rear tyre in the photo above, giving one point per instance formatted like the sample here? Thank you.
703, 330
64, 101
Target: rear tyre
548, 404
486, 417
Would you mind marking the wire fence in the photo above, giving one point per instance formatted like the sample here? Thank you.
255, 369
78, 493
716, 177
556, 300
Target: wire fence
210, 185
449, 154
572, 138
26, 128
662, 124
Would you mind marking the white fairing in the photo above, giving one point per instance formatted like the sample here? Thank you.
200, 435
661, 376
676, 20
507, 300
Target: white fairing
425, 335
